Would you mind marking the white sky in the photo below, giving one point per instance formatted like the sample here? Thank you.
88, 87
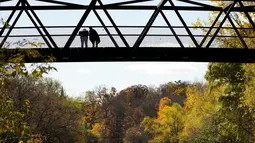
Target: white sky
79, 77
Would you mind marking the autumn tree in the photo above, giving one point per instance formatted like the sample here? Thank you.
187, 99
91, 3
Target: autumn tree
234, 118
135, 135
13, 124
53, 116
168, 125
201, 109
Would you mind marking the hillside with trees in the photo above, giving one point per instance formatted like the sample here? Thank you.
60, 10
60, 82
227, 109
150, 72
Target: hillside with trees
222, 110
34, 109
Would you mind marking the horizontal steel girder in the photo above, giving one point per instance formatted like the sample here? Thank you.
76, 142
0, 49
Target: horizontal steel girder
184, 8
145, 54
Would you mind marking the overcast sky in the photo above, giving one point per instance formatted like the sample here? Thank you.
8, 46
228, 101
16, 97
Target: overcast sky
79, 77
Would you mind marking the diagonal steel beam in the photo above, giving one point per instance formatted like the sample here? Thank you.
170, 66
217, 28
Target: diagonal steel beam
209, 31
222, 22
237, 32
8, 33
83, 18
197, 3
60, 2
38, 29
171, 28
4, 0
41, 24
247, 15
184, 24
106, 29
9, 18
149, 23
114, 25
127, 2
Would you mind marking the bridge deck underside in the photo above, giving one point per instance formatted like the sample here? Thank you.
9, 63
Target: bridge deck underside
133, 44
146, 54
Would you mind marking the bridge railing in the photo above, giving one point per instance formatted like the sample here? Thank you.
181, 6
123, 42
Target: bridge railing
158, 36
127, 36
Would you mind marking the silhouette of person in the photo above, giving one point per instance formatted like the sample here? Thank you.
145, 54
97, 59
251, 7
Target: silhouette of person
84, 37
94, 37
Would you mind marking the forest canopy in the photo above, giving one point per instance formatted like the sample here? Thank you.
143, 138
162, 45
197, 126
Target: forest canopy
35, 109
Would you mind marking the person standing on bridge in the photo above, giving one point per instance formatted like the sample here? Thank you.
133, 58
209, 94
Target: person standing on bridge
84, 37
94, 37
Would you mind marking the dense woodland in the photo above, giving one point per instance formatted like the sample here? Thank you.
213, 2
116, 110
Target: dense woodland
34, 109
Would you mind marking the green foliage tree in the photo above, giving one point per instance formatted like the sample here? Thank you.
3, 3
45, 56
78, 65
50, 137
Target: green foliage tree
240, 20
54, 117
233, 121
201, 108
13, 126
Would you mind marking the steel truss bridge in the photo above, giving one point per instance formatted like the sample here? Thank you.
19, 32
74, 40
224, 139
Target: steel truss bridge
199, 51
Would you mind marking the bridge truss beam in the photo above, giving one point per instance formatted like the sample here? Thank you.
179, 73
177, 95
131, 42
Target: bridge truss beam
149, 53
162, 54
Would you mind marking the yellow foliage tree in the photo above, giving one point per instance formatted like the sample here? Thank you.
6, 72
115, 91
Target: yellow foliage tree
200, 109
168, 125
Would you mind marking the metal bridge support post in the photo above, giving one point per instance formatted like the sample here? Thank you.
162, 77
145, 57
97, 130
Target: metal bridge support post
149, 23
114, 25
208, 32
40, 23
107, 31
247, 15
237, 32
222, 22
38, 29
9, 19
8, 33
172, 29
184, 24
77, 28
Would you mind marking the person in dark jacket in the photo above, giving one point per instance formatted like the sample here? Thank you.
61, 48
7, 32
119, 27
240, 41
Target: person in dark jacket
94, 37
84, 37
